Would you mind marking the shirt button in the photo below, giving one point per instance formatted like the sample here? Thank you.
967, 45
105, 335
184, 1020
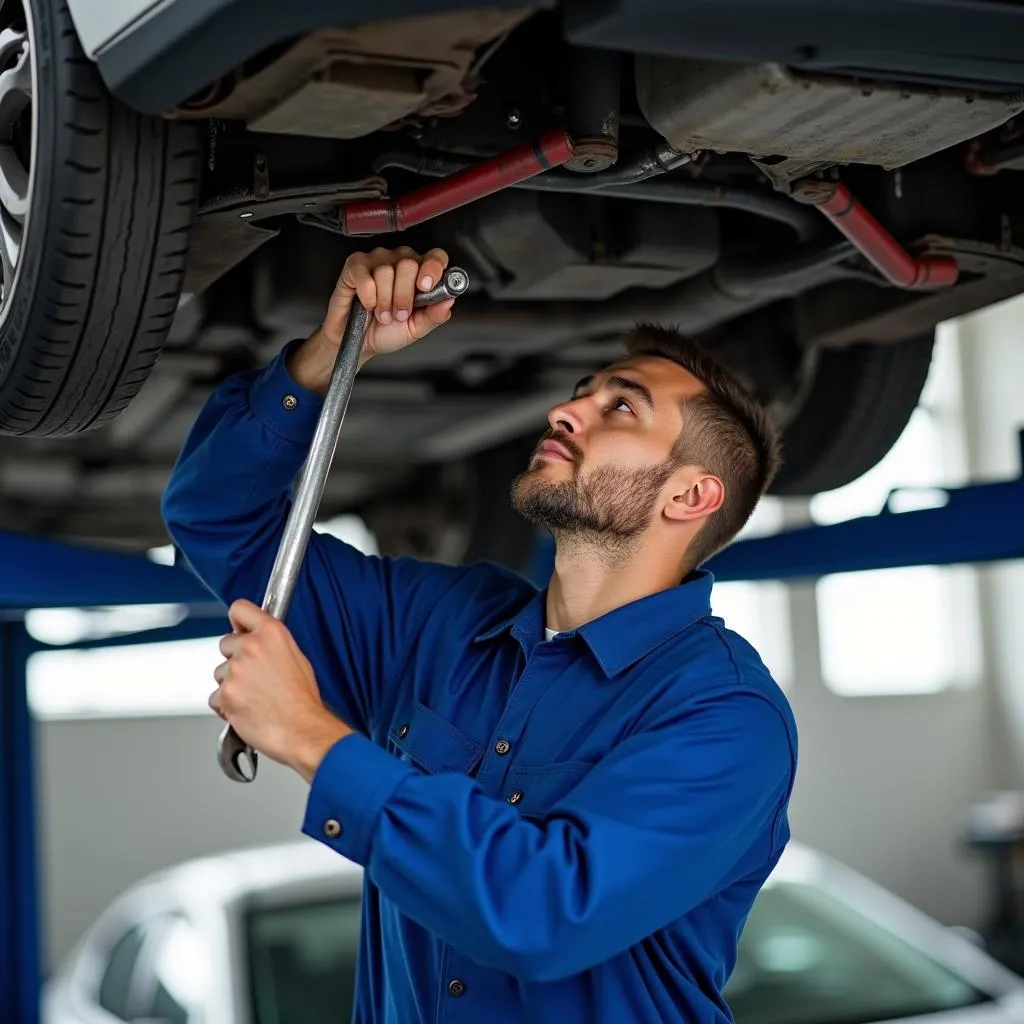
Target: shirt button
456, 988
332, 828
502, 747
515, 797
403, 732
289, 402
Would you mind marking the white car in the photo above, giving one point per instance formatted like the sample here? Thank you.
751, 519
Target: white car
269, 936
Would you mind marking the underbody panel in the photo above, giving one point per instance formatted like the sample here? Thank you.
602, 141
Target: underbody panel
181, 47
698, 126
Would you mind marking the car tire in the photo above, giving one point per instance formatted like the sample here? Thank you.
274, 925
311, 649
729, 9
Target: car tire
858, 405
110, 198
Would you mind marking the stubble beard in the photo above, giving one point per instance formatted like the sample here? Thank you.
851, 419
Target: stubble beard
608, 508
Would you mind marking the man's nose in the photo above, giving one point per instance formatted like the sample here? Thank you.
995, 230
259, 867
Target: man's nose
566, 418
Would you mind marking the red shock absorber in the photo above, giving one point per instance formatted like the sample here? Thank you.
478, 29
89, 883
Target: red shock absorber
873, 242
377, 216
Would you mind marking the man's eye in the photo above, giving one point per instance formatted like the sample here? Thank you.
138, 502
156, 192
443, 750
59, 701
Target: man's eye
623, 404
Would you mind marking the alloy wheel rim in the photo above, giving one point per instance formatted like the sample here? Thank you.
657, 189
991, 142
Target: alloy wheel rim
18, 131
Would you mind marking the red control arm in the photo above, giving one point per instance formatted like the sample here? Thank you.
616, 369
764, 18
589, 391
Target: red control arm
854, 220
376, 216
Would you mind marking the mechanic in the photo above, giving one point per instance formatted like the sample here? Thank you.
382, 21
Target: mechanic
565, 799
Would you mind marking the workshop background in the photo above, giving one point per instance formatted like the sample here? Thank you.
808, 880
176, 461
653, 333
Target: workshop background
906, 684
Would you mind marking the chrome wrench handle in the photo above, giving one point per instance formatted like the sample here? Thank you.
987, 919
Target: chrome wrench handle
310, 488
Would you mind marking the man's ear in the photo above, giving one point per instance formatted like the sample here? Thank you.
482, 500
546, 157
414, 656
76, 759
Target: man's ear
697, 495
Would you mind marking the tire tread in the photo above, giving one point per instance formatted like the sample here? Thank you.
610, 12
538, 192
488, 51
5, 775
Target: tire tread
860, 404
122, 197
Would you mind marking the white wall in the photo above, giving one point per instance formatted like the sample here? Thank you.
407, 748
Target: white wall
993, 347
119, 798
884, 782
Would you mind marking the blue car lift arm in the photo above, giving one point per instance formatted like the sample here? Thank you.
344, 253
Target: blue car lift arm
976, 524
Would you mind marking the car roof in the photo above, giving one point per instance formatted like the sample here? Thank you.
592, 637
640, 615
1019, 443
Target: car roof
258, 869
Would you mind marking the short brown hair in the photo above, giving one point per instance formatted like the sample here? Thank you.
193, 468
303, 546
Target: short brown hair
728, 433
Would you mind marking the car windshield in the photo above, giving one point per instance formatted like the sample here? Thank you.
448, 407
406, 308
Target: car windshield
805, 958
302, 960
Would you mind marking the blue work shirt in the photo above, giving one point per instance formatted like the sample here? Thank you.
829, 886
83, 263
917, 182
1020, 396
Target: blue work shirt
552, 831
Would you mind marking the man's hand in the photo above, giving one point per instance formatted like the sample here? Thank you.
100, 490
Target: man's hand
386, 281
269, 694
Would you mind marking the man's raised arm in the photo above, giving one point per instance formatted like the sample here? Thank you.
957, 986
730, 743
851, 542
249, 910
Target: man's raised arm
228, 498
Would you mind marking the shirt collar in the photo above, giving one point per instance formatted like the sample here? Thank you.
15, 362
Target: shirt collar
526, 622
624, 635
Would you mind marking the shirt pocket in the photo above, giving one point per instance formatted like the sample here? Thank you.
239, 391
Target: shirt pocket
537, 791
430, 742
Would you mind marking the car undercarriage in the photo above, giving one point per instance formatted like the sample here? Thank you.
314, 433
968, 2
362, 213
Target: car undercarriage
810, 224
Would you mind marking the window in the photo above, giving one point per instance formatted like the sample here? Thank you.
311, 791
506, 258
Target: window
302, 960
912, 630
115, 988
805, 957
145, 679
170, 678
759, 612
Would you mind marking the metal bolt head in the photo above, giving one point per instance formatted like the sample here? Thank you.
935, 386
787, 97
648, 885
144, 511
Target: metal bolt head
456, 988
502, 747
289, 402
456, 280
332, 828
513, 119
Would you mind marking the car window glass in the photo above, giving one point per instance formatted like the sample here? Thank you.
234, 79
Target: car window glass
176, 982
302, 961
116, 984
805, 957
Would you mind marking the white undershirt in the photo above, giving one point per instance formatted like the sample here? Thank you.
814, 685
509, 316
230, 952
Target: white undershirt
550, 634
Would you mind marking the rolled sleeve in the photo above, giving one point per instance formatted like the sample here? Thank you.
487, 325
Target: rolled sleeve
281, 404
348, 792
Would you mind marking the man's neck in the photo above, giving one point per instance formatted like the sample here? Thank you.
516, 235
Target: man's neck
589, 581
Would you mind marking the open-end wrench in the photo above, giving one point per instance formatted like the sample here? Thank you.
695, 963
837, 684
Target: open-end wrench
310, 488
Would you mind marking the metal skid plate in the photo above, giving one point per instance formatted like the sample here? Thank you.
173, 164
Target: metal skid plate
793, 123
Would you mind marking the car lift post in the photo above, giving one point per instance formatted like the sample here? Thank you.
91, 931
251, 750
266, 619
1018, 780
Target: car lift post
19, 910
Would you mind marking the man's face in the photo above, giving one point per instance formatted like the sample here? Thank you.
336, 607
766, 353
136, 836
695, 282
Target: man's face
602, 466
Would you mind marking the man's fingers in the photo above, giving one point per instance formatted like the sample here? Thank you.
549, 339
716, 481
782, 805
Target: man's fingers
384, 282
432, 267
427, 318
246, 616
405, 287
358, 274
230, 644
214, 703
220, 673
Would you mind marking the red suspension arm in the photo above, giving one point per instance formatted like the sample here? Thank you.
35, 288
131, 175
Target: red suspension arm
376, 216
854, 220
